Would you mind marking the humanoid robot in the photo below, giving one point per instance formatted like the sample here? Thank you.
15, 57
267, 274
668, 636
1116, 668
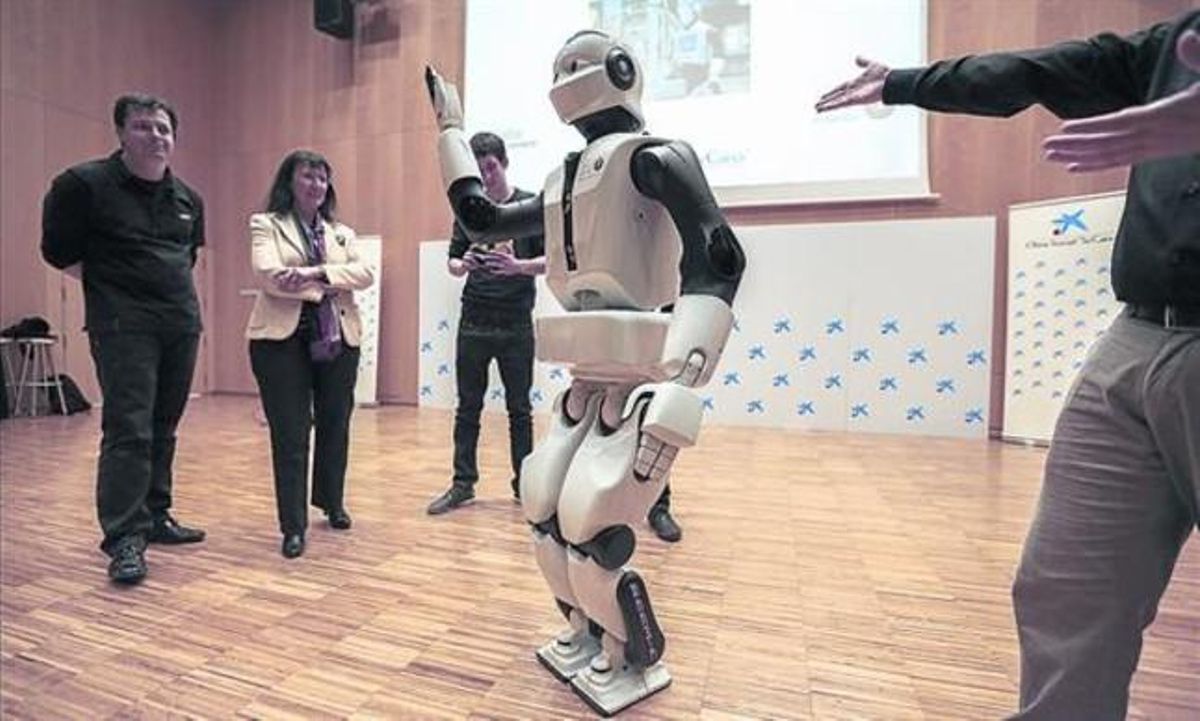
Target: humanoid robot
632, 231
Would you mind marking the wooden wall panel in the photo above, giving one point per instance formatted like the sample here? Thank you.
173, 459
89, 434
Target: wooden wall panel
63, 63
362, 104
254, 80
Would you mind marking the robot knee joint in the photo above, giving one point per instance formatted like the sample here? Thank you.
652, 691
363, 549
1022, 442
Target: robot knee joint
610, 548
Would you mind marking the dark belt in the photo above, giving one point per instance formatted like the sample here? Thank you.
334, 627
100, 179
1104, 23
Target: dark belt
1168, 316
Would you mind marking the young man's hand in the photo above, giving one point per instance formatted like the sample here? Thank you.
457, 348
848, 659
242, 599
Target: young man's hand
503, 264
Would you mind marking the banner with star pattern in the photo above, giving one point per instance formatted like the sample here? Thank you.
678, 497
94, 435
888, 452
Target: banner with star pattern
1060, 300
877, 327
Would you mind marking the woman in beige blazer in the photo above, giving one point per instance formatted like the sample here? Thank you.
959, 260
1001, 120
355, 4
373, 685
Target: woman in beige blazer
304, 335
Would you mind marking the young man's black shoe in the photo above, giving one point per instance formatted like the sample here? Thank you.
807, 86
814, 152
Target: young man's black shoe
167, 530
665, 526
453, 498
128, 564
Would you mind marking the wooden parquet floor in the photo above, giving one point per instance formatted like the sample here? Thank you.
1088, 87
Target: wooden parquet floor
821, 576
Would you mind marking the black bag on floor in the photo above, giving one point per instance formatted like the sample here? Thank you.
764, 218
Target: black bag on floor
74, 397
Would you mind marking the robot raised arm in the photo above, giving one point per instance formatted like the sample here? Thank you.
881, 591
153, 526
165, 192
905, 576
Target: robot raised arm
482, 219
712, 262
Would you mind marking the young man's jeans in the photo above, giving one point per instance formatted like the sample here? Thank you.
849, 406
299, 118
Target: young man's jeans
1119, 498
507, 338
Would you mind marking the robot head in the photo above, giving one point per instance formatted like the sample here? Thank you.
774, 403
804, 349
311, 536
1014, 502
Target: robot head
597, 85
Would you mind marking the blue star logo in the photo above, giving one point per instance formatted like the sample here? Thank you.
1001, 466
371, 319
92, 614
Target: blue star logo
947, 328
783, 325
860, 410
757, 352
805, 408
755, 407
1066, 221
808, 353
731, 379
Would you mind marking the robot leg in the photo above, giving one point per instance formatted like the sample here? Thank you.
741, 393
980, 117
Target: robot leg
542, 475
616, 476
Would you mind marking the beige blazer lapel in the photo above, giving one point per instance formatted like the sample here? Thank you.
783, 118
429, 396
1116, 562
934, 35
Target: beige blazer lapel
335, 244
291, 232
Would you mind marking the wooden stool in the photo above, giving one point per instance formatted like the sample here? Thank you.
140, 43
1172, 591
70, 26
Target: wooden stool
38, 372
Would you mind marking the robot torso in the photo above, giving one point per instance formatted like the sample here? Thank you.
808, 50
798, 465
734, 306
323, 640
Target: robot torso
607, 245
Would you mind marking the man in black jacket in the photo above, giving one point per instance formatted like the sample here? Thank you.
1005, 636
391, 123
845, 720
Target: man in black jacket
1121, 490
131, 230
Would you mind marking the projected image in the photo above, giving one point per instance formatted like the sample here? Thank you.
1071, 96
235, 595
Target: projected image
736, 79
688, 48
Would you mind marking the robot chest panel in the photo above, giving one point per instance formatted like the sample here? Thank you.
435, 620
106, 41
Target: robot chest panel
605, 240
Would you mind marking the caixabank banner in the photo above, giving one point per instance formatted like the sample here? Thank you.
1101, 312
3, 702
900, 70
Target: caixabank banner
1060, 300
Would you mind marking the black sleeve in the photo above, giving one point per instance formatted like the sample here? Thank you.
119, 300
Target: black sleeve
458, 241
65, 217
712, 260
483, 220
197, 227
1074, 79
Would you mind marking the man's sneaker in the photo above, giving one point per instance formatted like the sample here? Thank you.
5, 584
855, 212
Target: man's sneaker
168, 530
665, 526
128, 564
453, 498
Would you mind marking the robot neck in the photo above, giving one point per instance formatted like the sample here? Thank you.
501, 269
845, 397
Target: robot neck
606, 122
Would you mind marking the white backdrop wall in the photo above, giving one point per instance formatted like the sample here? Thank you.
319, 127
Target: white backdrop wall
876, 327
1060, 300
370, 251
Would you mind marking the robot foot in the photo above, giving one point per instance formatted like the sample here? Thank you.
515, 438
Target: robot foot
609, 692
568, 654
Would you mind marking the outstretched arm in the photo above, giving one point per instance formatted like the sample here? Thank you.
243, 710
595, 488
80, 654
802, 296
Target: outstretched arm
712, 262
1074, 79
1168, 126
480, 218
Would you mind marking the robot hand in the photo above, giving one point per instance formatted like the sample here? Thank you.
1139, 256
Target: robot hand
444, 98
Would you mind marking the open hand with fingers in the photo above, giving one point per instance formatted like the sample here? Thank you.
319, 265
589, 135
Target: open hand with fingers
865, 89
1168, 126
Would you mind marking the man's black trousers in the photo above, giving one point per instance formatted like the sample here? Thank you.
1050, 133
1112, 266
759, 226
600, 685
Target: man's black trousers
145, 379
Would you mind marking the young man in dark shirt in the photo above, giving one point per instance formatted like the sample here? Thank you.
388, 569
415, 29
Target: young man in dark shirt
496, 323
1121, 489
131, 230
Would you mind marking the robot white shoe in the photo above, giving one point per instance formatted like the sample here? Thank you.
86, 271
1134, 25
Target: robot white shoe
569, 653
609, 692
